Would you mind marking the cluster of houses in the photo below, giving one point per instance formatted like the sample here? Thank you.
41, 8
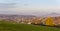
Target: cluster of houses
46, 21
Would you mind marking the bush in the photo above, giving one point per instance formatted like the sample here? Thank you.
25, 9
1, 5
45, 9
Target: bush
58, 26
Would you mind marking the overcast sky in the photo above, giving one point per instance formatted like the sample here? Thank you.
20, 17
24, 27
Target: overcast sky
29, 6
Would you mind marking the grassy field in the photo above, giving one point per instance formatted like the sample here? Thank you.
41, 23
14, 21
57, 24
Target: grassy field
7, 26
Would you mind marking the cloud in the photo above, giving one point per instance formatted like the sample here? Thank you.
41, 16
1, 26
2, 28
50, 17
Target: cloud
7, 5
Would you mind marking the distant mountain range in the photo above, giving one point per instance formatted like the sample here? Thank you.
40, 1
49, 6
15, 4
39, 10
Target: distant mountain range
38, 14
21, 16
52, 14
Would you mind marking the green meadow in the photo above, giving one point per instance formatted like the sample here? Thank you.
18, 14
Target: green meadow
8, 26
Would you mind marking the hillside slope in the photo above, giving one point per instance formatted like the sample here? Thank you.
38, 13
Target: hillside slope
4, 26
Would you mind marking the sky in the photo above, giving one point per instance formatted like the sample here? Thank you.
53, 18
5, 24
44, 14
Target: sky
29, 6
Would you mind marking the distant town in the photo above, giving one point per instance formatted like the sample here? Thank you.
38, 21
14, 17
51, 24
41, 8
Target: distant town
29, 19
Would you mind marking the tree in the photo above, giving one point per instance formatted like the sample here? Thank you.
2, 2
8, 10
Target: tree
49, 21
36, 21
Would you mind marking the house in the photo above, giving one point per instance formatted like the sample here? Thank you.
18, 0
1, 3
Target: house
57, 20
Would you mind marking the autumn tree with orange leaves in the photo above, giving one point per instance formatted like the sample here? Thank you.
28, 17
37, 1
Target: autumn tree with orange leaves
49, 21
